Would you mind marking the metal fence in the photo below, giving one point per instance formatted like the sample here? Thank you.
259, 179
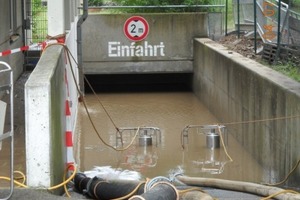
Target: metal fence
243, 15
272, 21
36, 16
294, 28
275, 23
36, 21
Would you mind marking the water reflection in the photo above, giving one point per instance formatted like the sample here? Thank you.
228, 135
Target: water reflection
139, 158
210, 164
212, 161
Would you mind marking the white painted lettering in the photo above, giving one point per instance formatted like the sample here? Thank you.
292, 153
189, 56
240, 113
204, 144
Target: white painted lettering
132, 48
162, 47
139, 51
148, 48
115, 49
125, 49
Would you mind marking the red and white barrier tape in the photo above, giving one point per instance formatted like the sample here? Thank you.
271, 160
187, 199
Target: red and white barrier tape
40, 45
24, 48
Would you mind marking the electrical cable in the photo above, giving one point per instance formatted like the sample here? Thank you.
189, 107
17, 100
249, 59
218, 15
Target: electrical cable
262, 120
65, 185
69, 55
223, 144
228, 123
51, 188
66, 181
101, 103
286, 178
131, 193
220, 132
191, 189
278, 193
16, 182
23, 177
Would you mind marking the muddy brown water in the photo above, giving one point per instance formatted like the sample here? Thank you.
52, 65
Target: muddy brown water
170, 112
19, 157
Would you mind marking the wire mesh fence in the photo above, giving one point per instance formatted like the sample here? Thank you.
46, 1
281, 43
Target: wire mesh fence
276, 21
267, 18
36, 11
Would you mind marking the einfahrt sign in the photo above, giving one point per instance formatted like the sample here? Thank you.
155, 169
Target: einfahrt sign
136, 28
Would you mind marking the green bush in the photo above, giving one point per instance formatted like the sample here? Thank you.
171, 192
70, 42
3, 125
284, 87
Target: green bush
290, 69
162, 3
95, 2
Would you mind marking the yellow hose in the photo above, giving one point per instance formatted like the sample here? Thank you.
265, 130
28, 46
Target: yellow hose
16, 182
64, 183
23, 177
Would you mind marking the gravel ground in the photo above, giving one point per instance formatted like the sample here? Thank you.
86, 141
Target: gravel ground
243, 45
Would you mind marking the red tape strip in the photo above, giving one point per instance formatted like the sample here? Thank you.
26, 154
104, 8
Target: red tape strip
5, 53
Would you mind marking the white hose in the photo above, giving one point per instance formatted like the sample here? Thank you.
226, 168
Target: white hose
253, 188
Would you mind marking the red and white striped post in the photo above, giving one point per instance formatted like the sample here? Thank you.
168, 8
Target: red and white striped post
69, 132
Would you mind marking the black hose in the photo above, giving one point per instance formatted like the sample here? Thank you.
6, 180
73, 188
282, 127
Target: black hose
115, 189
161, 191
80, 182
98, 188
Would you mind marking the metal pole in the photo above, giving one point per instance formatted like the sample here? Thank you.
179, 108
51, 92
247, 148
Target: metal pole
255, 28
154, 7
278, 27
278, 32
79, 45
226, 17
238, 13
12, 128
10, 133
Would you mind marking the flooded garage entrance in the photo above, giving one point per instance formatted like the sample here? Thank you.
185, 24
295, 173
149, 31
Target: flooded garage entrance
170, 112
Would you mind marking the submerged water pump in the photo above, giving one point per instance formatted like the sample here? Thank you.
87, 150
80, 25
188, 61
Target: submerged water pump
144, 138
212, 140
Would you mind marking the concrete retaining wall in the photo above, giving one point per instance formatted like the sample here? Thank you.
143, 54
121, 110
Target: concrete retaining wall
44, 109
237, 89
46, 91
175, 32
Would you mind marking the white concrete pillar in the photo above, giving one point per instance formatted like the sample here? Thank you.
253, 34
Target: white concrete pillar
56, 17
38, 137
